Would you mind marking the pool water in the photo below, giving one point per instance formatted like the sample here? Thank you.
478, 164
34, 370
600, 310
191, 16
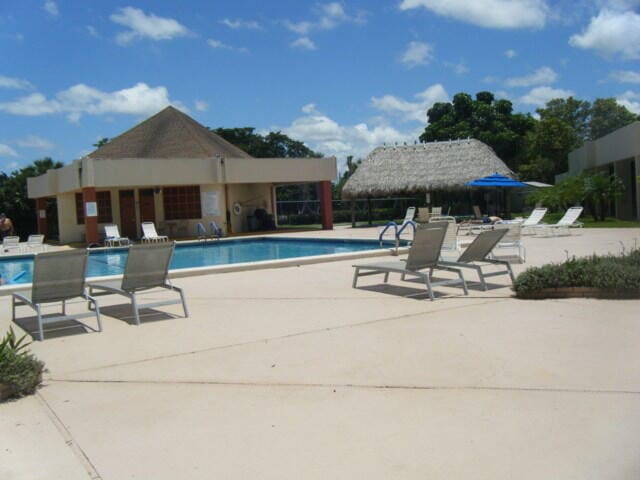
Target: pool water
203, 254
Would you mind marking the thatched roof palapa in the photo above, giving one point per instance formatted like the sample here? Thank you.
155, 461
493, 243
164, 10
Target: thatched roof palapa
168, 134
424, 167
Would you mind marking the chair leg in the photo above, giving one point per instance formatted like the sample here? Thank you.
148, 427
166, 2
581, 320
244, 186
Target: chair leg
355, 278
464, 284
96, 306
386, 277
40, 329
184, 303
13, 308
427, 282
134, 306
481, 277
64, 307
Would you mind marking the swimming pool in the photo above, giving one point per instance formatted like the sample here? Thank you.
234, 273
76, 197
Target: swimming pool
104, 262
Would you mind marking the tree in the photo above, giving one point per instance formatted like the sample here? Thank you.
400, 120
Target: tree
13, 194
606, 116
346, 175
600, 190
101, 142
486, 119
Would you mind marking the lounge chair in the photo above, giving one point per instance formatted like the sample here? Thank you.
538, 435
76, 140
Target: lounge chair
476, 256
436, 211
57, 277
147, 268
568, 220
35, 243
11, 244
149, 233
512, 239
533, 220
451, 236
203, 234
216, 231
409, 215
112, 236
421, 262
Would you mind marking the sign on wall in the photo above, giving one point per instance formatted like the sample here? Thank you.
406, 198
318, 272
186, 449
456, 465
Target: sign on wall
210, 203
91, 209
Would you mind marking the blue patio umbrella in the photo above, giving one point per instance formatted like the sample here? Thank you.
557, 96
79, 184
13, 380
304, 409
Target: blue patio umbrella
496, 180
499, 181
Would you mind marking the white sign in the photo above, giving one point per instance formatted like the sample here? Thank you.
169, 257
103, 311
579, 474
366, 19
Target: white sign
42, 213
91, 209
210, 204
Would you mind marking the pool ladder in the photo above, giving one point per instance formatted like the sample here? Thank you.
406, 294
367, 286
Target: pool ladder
398, 229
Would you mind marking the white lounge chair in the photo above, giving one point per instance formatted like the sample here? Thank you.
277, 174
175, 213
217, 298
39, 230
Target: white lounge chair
35, 243
423, 259
147, 268
57, 277
512, 239
568, 220
11, 244
436, 211
533, 220
149, 233
112, 236
450, 243
477, 255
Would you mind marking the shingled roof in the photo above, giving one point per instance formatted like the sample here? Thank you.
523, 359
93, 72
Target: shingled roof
424, 167
168, 134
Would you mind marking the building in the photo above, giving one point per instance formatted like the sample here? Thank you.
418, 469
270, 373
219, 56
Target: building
616, 153
175, 172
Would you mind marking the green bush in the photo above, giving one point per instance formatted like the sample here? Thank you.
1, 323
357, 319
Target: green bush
612, 273
20, 371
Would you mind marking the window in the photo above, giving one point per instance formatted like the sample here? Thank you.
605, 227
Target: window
181, 203
79, 209
103, 201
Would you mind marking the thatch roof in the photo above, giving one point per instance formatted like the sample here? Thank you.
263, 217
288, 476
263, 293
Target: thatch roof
168, 134
424, 167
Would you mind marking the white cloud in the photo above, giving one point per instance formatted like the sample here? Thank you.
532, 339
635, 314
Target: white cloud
542, 76
503, 14
416, 54
149, 26
51, 8
17, 83
625, 76
201, 105
80, 99
35, 142
458, 68
7, 151
631, 100
539, 96
611, 33
411, 111
238, 24
217, 44
511, 53
303, 43
327, 17
324, 134
92, 31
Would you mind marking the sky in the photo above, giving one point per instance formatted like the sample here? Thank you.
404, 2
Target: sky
344, 77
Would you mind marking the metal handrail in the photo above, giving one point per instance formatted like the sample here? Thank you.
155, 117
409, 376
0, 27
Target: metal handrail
406, 224
384, 230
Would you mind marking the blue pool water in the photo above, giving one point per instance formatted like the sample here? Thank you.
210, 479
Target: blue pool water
111, 262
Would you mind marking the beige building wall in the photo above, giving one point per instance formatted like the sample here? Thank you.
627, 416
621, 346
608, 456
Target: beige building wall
249, 196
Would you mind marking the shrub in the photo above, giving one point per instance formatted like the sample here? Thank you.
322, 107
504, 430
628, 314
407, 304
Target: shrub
612, 273
20, 371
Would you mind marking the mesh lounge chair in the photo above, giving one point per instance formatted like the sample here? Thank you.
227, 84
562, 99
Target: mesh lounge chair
450, 242
533, 220
147, 268
35, 243
149, 233
476, 255
423, 255
11, 243
112, 236
568, 220
57, 277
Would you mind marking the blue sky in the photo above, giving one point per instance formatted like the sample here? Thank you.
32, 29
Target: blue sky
344, 77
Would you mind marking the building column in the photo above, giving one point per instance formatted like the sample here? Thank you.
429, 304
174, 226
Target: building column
41, 216
90, 223
326, 205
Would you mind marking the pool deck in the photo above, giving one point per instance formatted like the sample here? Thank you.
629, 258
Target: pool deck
290, 373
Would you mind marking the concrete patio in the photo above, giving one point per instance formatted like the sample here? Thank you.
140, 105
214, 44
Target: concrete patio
291, 374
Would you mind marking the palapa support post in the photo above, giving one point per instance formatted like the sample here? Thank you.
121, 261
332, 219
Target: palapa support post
90, 221
41, 215
326, 204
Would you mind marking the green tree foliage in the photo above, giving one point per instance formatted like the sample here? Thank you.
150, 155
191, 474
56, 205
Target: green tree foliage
13, 195
351, 168
101, 142
600, 190
486, 119
273, 145
606, 116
